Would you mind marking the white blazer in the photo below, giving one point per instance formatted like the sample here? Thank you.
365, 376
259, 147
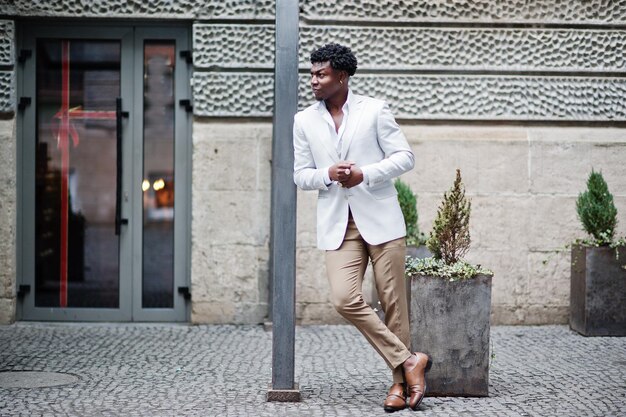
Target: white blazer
374, 141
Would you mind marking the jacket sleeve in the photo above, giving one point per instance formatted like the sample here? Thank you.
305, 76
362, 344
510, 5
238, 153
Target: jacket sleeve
398, 155
306, 174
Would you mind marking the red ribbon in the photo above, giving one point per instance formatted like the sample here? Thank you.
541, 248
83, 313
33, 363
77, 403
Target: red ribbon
67, 130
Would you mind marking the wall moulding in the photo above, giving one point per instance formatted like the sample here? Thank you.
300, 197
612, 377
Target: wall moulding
219, 94
591, 12
423, 49
437, 97
206, 9
463, 49
233, 46
7, 39
7, 92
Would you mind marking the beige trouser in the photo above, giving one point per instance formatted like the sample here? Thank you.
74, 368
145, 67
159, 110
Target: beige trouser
346, 267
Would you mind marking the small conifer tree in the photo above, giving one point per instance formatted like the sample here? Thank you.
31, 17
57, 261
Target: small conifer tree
596, 210
408, 205
450, 237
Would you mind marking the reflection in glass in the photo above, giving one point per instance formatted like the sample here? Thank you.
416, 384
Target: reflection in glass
76, 249
158, 175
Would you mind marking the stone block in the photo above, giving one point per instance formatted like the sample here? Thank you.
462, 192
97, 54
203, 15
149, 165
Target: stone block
436, 162
7, 310
225, 165
264, 161
510, 273
306, 235
225, 273
553, 222
311, 280
231, 217
548, 278
231, 156
552, 170
213, 312
491, 160
500, 222
506, 314
539, 314
8, 204
609, 158
219, 129
317, 313
251, 313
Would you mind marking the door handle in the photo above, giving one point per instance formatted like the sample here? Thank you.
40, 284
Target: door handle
119, 221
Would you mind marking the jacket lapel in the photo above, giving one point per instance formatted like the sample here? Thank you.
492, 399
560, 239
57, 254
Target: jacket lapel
355, 110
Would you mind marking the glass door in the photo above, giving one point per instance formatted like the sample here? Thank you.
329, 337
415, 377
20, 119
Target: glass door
162, 169
98, 224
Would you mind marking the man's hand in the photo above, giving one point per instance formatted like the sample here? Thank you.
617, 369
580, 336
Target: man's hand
341, 171
355, 177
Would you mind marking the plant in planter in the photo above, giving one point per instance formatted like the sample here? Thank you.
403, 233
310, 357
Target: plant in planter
451, 303
598, 270
415, 239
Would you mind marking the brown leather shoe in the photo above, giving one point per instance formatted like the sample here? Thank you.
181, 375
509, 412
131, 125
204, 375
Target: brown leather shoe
396, 399
416, 380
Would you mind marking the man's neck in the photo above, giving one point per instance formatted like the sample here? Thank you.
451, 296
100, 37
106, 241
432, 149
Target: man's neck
335, 103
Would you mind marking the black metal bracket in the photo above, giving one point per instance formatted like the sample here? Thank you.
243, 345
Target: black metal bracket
22, 290
24, 55
185, 292
24, 101
187, 104
187, 56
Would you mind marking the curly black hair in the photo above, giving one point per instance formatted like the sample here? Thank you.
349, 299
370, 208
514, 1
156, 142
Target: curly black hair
340, 57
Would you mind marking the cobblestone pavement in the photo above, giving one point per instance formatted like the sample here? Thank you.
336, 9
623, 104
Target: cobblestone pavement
184, 370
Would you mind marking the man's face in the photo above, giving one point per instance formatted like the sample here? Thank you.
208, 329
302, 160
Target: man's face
324, 80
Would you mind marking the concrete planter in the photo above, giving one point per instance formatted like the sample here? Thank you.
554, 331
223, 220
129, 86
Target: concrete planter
450, 322
598, 291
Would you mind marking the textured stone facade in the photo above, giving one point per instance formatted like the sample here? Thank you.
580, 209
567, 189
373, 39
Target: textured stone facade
517, 66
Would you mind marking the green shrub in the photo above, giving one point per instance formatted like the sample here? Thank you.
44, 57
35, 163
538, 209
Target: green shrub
408, 204
450, 238
596, 210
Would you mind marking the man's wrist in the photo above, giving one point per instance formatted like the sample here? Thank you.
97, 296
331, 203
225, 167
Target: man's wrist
327, 180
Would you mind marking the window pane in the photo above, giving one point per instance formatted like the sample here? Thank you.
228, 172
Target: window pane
158, 175
76, 249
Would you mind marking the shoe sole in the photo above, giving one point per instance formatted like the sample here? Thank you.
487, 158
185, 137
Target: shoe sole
389, 409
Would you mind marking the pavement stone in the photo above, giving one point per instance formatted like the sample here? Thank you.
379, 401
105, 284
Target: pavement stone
222, 370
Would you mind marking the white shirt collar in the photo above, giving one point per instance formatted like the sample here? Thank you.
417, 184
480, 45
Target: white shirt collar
346, 106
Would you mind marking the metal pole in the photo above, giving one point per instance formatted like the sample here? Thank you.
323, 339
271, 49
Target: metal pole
283, 212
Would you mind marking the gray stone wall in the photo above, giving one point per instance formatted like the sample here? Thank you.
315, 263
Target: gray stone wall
7, 221
8, 192
230, 221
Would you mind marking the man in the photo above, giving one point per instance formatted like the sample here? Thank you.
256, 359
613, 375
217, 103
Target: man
349, 148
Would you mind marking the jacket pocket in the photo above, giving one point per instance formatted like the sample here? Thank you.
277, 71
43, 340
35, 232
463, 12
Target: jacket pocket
323, 193
384, 190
